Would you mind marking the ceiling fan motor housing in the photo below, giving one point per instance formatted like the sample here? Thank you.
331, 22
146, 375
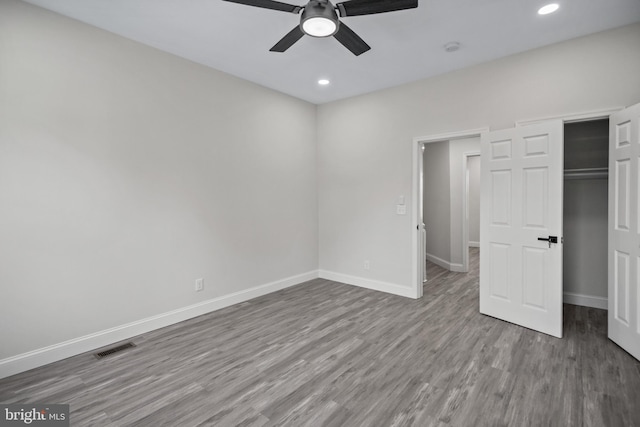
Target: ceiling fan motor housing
319, 19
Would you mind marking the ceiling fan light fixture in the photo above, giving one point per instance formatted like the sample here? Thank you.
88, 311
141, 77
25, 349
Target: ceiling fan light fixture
319, 27
319, 19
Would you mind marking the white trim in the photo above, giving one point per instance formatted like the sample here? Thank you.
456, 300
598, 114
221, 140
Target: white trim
578, 117
53, 353
417, 267
450, 135
416, 264
362, 282
474, 244
439, 261
586, 300
457, 268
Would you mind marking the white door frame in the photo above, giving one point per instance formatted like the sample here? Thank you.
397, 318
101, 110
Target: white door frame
573, 118
416, 212
465, 207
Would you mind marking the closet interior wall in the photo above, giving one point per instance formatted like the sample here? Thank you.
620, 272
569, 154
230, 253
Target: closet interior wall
586, 157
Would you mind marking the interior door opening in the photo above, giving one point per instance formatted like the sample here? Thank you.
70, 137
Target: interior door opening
585, 212
450, 202
450, 186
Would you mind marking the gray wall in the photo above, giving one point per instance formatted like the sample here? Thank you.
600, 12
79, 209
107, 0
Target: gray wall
585, 237
126, 173
473, 166
437, 200
365, 143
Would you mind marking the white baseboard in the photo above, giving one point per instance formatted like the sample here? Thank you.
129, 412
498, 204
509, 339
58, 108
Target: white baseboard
445, 264
53, 353
439, 261
375, 285
586, 300
457, 268
474, 244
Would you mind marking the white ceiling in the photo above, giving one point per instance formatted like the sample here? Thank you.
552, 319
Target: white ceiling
406, 45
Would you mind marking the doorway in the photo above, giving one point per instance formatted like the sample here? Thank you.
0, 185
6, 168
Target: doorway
459, 145
585, 212
448, 174
439, 187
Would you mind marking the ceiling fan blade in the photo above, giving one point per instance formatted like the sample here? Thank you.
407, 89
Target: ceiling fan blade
287, 41
351, 40
369, 7
269, 4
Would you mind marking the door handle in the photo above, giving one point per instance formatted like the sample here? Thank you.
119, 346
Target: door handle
550, 239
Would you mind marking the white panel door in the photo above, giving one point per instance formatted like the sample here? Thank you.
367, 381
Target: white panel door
521, 202
624, 232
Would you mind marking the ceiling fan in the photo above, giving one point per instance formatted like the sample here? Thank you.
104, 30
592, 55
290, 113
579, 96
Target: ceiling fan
320, 19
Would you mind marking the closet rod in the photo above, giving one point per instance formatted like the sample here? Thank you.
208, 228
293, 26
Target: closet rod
589, 173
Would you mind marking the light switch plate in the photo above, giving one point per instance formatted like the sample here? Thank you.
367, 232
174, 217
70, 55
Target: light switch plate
401, 209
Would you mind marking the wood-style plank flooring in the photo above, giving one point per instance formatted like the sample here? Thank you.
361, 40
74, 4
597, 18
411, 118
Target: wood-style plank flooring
328, 354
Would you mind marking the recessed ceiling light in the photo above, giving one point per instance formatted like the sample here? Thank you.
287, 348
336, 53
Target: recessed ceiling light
323, 82
550, 8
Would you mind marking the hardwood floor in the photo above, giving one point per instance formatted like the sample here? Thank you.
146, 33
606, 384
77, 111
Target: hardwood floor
324, 353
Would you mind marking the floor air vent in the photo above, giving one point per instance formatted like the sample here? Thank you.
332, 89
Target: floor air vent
113, 350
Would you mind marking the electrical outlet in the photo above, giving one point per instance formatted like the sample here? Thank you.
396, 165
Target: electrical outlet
199, 285
367, 265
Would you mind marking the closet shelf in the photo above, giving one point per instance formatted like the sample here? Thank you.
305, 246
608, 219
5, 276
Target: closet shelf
587, 173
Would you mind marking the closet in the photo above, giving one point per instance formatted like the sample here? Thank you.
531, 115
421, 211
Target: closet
586, 158
570, 179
